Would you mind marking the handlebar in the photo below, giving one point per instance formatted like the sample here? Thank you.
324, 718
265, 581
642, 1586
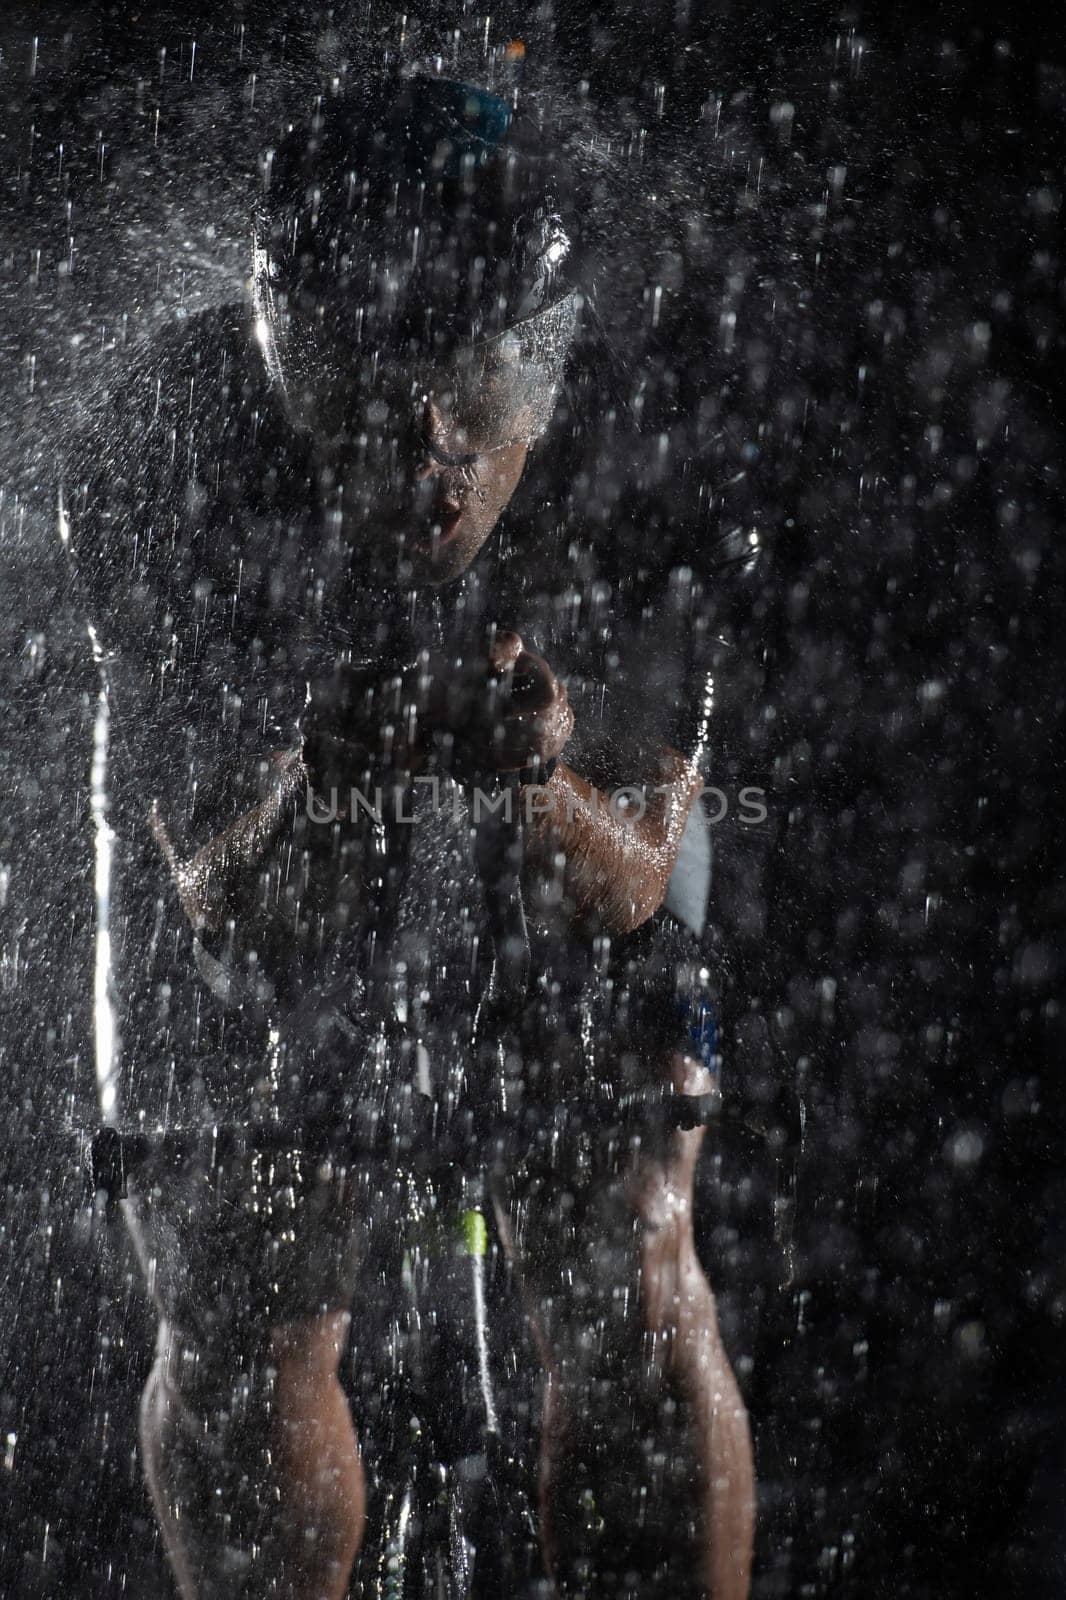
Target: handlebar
111, 1155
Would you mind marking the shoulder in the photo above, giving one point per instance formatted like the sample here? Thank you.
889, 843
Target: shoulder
182, 436
160, 394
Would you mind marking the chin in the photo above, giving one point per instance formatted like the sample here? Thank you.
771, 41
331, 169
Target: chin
433, 570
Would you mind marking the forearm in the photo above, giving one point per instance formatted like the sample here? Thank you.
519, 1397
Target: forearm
615, 866
213, 882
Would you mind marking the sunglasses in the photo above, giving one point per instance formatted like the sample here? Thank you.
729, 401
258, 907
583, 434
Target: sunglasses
498, 391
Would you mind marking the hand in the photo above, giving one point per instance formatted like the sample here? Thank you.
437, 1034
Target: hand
506, 715
502, 714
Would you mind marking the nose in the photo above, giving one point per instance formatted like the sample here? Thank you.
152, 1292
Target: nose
428, 467
434, 442
436, 476
440, 490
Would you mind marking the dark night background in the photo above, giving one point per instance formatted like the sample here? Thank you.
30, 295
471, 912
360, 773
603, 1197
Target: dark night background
891, 942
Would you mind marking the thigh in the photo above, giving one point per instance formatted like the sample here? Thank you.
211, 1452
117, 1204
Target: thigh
581, 1201
231, 1247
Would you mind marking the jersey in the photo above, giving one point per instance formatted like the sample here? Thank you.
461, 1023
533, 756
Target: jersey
217, 586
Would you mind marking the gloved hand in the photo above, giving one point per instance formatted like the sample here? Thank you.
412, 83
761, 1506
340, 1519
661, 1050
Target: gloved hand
501, 713
505, 714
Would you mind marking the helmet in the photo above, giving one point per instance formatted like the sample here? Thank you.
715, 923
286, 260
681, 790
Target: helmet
418, 227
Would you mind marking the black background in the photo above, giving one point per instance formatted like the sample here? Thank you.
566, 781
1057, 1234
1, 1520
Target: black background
892, 939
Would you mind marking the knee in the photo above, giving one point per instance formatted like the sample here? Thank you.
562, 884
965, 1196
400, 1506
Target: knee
686, 1075
674, 1290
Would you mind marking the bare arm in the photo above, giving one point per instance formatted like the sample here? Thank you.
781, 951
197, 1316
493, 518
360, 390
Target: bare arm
616, 866
212, 883
616, 861
218, 882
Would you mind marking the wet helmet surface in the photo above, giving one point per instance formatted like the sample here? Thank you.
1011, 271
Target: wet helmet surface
420, 226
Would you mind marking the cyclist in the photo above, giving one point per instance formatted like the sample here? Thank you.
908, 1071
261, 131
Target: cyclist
284, 534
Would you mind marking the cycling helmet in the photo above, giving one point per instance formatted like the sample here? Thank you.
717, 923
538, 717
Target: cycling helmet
420, 226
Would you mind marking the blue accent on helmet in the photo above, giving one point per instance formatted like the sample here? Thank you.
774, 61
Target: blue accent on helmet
445, 113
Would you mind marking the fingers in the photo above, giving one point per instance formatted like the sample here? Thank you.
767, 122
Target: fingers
519, 738
515, 713
505, 649
535, 721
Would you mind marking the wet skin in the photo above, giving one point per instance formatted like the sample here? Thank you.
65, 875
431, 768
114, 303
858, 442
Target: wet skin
442, 504
467, 501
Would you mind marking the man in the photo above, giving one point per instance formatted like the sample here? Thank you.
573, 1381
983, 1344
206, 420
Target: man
283, 534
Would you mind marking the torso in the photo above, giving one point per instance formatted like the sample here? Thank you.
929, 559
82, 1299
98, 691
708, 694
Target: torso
217, 596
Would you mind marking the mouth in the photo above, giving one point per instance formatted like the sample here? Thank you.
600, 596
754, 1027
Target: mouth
443, 528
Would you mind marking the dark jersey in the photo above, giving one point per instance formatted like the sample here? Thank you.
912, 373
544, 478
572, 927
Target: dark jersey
217, 587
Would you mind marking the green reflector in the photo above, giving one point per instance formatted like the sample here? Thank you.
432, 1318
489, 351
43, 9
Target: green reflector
474, 1233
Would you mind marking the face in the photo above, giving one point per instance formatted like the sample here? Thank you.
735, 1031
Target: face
419, 468
464, 483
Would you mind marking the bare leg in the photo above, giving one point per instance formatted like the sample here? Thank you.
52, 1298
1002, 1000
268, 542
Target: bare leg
647, 1485
324, 1495
680, 1315
284, 1459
